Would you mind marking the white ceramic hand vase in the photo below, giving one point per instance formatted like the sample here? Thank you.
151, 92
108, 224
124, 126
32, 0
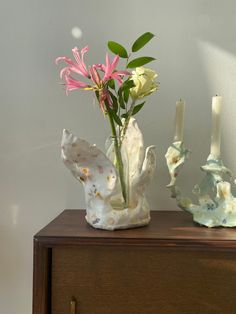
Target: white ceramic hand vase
99, 177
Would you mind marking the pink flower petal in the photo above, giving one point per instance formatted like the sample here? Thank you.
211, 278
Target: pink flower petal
76, 55
100, 66
108, 68
94, 75
80, 63
64, 71
117, 77
75, 83
72, 84
115, 62
108, 63
65, 59
111, 67
84, 50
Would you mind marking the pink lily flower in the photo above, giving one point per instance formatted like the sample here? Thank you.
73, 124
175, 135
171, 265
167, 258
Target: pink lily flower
78, 67
110, 70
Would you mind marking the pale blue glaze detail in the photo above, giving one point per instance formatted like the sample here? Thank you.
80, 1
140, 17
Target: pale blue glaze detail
216, 204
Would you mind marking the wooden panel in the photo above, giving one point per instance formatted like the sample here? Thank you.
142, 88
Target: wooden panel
139, 280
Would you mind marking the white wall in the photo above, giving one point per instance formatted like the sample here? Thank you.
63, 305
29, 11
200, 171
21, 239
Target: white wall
196, 58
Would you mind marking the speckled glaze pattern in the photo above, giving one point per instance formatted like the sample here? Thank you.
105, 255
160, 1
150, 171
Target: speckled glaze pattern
216, 204
97, 173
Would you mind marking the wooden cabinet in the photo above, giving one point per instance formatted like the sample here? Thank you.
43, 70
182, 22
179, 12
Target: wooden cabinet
172, 266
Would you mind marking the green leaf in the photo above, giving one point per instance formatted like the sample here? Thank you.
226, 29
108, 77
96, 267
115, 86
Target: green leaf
97, 95
121, 100
128, 84
117, 49
124, 115
138, 62
114, 101
115, 117
113, 114
111, 84
126, 95
142, 41
137, 108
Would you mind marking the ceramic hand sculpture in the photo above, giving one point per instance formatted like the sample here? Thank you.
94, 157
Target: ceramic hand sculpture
216, 205
99, 177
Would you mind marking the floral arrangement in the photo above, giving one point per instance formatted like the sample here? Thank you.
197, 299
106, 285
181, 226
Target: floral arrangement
116, 91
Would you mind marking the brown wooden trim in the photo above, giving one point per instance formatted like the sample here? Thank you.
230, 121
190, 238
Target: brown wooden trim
51, 242
41, 279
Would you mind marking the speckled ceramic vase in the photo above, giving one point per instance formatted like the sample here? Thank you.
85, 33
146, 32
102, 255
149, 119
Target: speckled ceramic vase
97, 172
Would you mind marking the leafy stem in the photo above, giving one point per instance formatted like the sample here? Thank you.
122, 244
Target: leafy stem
127, 60
129, 115
117, 148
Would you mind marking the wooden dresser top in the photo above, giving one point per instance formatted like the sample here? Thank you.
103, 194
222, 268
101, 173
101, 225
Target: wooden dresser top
167, 228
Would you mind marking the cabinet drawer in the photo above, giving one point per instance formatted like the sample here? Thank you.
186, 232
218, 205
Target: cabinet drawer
142, 280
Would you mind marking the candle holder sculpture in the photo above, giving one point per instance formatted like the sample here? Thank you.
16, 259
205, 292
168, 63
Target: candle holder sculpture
216, 204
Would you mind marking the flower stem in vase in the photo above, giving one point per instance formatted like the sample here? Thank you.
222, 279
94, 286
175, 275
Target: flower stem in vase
130, 112
119, 162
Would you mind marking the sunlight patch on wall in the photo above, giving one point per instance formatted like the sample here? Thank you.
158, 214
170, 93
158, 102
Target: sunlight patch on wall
220, 72
220, 68
15, 214
76, 32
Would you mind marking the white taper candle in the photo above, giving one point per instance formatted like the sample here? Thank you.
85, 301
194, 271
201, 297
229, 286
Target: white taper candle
179, 121
215, 128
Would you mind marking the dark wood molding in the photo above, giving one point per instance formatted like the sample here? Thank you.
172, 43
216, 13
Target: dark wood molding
41, 278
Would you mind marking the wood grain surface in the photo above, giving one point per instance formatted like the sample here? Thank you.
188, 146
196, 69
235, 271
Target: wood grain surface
138, 280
